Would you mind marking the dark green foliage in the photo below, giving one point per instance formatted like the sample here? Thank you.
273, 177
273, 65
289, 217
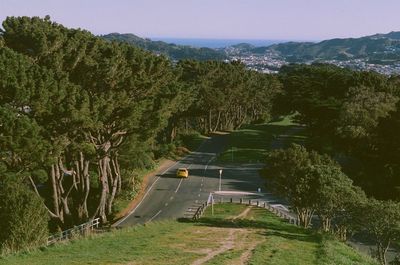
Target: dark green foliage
313, 183
350, 115
79, 115
383, 223
23, 217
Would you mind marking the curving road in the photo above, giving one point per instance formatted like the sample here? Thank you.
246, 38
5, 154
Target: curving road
168, 197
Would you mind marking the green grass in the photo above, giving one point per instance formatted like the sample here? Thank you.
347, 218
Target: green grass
192, 141
267, 240
252, 142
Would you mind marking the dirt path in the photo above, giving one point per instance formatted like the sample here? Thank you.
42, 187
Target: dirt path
245, 257
242, 214
229, 243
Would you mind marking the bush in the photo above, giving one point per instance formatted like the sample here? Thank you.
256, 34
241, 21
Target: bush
24, 220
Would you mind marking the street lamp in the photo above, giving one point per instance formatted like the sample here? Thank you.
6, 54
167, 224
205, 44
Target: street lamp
220, 174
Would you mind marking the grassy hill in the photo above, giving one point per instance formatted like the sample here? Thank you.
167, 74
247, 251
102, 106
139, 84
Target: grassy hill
236, 234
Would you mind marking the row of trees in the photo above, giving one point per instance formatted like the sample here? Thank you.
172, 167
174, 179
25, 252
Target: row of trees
353, 116
79, 114
314, 184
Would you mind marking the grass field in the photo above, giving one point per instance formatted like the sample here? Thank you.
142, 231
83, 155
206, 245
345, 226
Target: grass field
236, 234
252, 142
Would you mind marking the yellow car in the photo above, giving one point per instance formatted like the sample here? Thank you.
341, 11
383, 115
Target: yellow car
182, 173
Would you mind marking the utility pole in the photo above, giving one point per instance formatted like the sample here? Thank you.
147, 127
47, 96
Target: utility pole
220, 174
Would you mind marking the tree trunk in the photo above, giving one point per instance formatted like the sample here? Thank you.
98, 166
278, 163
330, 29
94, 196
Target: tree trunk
101, 209
325, 223
209, 121
55, 192
218, 121
82, 172
304, 216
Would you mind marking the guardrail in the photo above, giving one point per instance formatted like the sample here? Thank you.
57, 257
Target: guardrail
263, 204
80, 230
199, 212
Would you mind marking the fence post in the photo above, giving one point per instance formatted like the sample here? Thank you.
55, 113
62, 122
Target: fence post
249, 202
258, 203
241, 200
231, 200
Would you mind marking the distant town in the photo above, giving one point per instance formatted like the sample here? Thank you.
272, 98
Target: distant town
271, 62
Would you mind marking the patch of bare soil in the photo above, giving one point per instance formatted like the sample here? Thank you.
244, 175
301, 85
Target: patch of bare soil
226, 245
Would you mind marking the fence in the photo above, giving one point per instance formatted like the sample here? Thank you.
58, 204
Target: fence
263, 204
80, 230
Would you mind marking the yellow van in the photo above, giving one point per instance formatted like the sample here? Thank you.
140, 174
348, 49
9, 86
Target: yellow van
182, 172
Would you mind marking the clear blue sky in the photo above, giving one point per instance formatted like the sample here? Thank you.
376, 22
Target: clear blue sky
243, 19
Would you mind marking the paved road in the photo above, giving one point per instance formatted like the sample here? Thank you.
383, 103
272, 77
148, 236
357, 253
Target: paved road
168, 197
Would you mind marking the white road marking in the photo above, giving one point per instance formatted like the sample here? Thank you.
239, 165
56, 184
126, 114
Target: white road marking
123, 219
147, 192
199, 195
166, 204
180, 182
151, 219
170, 198
145, 195
200, 189
196, 201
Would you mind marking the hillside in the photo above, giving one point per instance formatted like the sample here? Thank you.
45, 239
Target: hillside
175, 52
378, 48
236, 234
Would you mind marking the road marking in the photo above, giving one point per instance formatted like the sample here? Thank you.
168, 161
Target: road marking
166, 204
151, 219
180, 182
200, 189
170, 198
145, 195
199, 195
201, 184
196, 201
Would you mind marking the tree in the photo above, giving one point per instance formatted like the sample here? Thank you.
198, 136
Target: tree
23, 217
381, 219
363, 109
289, 175
331, 193
346, 218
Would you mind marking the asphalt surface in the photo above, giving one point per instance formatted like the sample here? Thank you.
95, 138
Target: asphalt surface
169, 197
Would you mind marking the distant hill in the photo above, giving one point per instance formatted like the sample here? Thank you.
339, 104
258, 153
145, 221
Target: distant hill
380, 48
175, 52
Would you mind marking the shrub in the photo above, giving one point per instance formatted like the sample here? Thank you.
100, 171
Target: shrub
24, 220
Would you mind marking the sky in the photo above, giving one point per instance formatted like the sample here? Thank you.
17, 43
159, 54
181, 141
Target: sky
219, 19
